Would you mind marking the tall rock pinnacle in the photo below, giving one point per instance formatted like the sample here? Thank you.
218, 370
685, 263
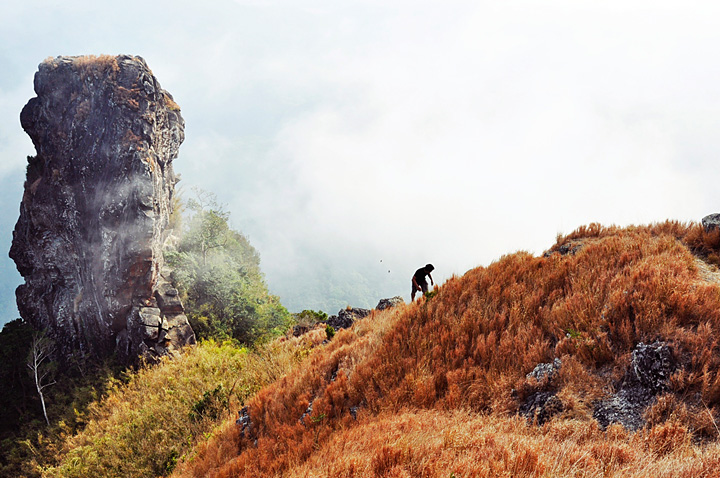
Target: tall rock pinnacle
96, 205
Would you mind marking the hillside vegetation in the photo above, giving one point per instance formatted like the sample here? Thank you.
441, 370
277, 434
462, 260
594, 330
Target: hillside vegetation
145, 425
141, 427
217, 272
433, 388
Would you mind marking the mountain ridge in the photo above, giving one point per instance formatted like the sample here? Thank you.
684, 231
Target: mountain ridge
499, 372
468, 350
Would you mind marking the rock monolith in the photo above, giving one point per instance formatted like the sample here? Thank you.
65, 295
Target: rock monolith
96, 207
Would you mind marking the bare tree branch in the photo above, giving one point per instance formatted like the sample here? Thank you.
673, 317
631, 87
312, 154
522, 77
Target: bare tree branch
42, 349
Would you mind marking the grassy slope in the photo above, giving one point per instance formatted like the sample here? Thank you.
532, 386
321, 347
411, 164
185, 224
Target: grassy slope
143, 427
432, 382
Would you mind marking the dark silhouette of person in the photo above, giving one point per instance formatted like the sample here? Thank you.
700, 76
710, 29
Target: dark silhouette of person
419, 282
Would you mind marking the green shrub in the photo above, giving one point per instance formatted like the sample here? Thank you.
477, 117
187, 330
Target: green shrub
330, 332
218, 275
211, 405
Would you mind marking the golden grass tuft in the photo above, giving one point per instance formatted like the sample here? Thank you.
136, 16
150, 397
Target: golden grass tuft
170, 103
93, 67
461, 443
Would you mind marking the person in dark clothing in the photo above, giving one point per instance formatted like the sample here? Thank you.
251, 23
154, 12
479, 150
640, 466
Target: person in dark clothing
419, 282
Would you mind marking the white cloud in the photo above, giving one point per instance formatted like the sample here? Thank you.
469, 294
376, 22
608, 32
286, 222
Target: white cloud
515, 127
450, 132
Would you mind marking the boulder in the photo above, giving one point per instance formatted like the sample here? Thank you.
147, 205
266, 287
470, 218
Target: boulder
544, 371
542, 403
711, 222
541, 406
647, 376
346, 317
95, 209
565, 249
300, 329
388, 303
244, 421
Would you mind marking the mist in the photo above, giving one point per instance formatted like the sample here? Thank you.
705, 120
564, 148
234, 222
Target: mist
354, 143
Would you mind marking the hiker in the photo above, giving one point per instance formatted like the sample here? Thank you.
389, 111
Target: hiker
419, 282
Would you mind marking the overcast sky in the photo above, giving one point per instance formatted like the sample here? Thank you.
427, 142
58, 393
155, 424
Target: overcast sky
341, 133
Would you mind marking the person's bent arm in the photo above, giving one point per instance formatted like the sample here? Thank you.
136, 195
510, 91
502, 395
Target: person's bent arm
431, 280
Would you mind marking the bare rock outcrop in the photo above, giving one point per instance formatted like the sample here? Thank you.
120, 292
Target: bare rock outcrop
95, 209
389, 303
711, 222
345, 318
542, 402
648, 376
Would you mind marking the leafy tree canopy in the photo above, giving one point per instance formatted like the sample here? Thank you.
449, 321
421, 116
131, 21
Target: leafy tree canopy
218, 274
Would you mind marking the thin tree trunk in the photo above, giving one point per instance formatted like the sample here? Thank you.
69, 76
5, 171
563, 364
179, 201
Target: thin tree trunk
41, 349
42, 397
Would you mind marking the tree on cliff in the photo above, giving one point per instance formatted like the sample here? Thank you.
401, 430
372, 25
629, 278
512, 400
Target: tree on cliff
218, 274
208, 228
41, 367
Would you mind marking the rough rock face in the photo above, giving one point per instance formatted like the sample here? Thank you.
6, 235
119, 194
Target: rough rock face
388, 303
347, 317
95, 208
565, 249
648, 376
711, 221
543, 371
300, 329
244, 421
543, 403
541, 406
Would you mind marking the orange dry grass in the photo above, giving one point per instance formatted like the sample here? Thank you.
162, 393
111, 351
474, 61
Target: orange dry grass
95, 66
464, 444
273, 407
170, 102
473, 343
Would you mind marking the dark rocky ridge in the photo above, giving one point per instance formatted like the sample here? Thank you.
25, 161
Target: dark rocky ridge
347, 317
96, 205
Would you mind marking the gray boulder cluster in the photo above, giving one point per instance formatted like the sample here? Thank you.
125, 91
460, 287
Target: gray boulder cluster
542, 403
647, 377
564, 249
389, 303
95, 209
345, 318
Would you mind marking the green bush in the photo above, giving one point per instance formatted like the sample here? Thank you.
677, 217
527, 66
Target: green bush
330, 332
218, 274
211, 405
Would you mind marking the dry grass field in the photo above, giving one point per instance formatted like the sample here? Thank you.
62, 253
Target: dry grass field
433, 388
